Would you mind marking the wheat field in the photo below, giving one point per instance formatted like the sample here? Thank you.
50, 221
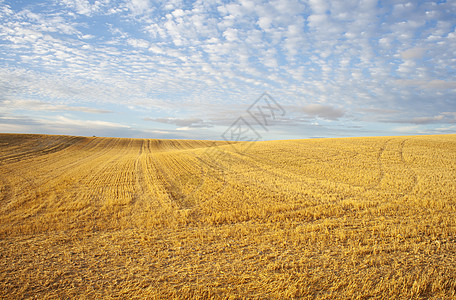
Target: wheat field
349, 218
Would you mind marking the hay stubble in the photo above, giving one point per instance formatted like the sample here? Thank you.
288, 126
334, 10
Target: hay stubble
328, 218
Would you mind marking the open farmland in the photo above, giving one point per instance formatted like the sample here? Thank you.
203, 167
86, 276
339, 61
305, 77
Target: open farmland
324, 218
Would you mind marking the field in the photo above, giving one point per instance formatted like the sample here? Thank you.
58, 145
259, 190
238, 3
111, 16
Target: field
350, 218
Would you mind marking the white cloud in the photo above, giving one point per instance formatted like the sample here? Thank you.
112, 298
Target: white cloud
451, 114
441, 118
413, 53
265, 22
406, 129
447, 129
63, 125
318, 7
82, 7
138, 43
178, 13
65, 121
231, 34
87, 36
428, 84
138, 7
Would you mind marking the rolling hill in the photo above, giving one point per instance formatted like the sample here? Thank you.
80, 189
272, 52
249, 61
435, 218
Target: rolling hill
92, 217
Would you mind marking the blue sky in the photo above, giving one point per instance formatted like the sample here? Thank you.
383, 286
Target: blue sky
190, 69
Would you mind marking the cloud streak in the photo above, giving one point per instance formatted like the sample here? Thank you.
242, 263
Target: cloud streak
35, 105
323, 111
184, 123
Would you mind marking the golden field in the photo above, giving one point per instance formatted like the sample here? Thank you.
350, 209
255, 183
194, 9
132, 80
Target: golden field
350, 218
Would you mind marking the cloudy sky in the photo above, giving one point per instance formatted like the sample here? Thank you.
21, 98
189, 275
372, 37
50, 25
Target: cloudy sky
195, 69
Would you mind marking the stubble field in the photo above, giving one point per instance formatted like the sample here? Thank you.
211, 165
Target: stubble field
351, 218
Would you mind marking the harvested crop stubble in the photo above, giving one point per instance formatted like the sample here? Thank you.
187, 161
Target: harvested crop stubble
323, 218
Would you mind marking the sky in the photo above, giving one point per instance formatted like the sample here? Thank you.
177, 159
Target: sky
234, 70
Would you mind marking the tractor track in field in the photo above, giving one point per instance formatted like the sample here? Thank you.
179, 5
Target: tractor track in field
414, 177
380, 166
47, 162
293, 175
45, 185
211, 169
5, 192
143, 193
178, 181
28, 187
42, 150
140, 180
162, 175
171, 187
